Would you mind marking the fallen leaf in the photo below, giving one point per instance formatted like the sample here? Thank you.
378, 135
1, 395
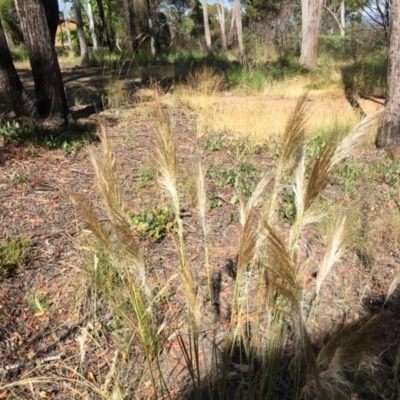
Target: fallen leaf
90, 377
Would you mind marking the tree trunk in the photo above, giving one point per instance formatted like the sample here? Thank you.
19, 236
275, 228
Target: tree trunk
9, 39
67, 25
206, 26
52, 16
285, 13
310, 21
221, 17
238, 20
389, 133
91, 25
342, 18
230, 37
132, 26
151, 30
104, 27
49, 88
16, 95
81, 33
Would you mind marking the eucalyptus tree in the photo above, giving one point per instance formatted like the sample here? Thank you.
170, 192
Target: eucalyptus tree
310, 21
92, 25
207, 32
38, 20
66, 22
81, 33
16, 95
389, 132
221, 19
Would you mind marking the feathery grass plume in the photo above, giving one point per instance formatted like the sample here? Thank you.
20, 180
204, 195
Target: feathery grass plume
335, 250
165, 148
294, 133
201, 201
355, 137
246, 208
298, 189
332, 154
291, 148
128, 292
94, 223
247, 241
319, 177
281, 268
166, 164
108, 183
107, 179
348, 346
282, 272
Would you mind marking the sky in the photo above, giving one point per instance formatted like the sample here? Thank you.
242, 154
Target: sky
61, 5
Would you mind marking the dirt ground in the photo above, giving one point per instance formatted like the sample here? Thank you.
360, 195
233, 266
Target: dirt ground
40, 207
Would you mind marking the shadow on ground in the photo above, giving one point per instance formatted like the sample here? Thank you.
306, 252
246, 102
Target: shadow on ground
240, 372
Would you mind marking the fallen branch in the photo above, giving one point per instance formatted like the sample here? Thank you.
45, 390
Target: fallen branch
32, 363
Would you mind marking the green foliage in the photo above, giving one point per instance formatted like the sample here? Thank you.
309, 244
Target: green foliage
19, 54
68, 138
13, 253
366, 77
38, 302
153, 224
256, 78
9, 19
288, 207
10, 132
242, 177
145, 177
19, 179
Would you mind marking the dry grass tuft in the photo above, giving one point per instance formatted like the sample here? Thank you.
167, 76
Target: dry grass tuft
294, 134
206, 81
348, 346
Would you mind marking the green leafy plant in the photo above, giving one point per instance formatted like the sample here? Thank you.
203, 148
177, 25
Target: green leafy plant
145, 177
153, 223
10, 132
13, 253
288, 206
38, 303
19, 179
214, 144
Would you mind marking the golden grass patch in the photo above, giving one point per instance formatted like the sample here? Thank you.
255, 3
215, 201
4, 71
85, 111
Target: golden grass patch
259, 118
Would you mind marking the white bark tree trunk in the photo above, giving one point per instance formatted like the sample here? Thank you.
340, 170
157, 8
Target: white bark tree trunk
151, 30
389, 133
207, 33
67, 25
238, 21
91, 25
230, 37
81, 33
342, 18
310, 21
221, 17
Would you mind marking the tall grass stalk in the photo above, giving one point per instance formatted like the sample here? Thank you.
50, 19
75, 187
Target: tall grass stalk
166, 164
125, 285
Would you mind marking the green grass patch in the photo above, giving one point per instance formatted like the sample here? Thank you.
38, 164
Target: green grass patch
366, 77
69, 138
14, 253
